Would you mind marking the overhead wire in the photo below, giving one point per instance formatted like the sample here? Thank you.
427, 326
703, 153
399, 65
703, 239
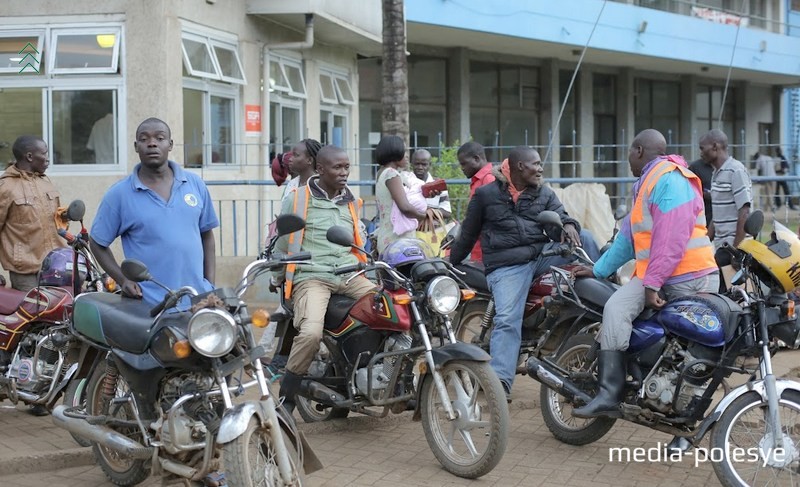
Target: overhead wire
730, 69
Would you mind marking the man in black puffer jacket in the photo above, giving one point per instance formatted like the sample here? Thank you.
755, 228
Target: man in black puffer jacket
503, 214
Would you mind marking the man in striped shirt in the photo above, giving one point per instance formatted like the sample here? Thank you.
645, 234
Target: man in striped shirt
731, 191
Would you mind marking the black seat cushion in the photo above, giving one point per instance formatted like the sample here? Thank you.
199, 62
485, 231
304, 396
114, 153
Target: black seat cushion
595, 291
338, 307
124, 323
475, 278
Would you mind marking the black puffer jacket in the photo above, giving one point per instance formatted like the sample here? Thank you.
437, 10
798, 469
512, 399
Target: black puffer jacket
509, 232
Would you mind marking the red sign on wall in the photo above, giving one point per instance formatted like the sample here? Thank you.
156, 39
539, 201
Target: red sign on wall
252, 119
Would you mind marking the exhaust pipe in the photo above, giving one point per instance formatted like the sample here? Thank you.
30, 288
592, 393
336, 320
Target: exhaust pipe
322, 393
102, 435
549, 376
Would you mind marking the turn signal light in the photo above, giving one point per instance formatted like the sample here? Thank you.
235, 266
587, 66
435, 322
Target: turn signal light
181, 348
467, 294
260, 318
401, 299
110, 284
788, 308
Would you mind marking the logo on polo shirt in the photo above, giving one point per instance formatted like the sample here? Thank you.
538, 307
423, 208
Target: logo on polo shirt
190, 200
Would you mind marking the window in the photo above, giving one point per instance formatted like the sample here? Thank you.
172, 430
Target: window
285, 76
657, 105
75, 103
336, 96
427, 88
20, 48
207, 57
80, 52
212, 75
335, 88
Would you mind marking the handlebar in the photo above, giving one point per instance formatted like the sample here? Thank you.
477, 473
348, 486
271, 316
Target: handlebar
347, 269
172, 298
162, 305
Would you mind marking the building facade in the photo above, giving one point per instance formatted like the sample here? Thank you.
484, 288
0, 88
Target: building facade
241, 80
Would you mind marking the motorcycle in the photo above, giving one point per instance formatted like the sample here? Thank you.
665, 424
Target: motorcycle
162, 401
372, 346
546, 324
680, 356
38, 356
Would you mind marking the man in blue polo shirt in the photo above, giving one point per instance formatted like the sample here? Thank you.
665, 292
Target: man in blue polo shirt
164, 216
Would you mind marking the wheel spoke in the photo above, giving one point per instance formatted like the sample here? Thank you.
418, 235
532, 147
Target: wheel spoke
468, 442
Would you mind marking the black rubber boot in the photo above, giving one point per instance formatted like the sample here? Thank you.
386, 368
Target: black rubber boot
611, 374
290, 385
678, 446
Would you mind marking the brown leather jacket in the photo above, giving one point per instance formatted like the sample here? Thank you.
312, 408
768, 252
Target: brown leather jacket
28, 203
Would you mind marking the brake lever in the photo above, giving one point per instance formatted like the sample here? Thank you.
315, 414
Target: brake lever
362, 271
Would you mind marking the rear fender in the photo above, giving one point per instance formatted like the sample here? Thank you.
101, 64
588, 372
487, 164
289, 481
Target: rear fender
757, 387
444, 354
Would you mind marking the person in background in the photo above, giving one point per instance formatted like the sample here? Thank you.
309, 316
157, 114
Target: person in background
421, 165
472, 158
391, 187
782, 169
765, 166
704, 171
302, 164
28, 204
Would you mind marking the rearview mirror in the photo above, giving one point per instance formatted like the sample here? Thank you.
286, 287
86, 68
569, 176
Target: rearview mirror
754, 223
290, 223
76, 211
135, 270
340, 236
548, 217
620, 212
454, 232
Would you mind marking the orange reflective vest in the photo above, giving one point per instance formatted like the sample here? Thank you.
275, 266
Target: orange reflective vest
300, 208
699, 253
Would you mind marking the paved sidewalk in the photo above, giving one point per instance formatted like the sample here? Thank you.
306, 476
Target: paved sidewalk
392, 451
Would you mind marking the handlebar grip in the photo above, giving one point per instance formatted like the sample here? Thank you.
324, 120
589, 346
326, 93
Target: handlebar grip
170, 300
297, 256
159, 307
557, 250
348, 269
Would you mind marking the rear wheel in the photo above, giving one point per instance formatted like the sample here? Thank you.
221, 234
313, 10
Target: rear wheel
468, 329
307, 408
557, 411
120, 469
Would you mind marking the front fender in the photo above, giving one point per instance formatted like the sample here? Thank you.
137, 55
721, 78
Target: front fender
755, 386
458, 351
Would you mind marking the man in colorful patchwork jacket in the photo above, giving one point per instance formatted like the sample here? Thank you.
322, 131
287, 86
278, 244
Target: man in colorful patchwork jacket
666, 234
326, 200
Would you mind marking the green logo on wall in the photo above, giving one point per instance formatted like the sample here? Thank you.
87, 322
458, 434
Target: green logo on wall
28, 58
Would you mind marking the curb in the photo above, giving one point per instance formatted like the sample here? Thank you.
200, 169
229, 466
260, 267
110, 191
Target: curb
79, 457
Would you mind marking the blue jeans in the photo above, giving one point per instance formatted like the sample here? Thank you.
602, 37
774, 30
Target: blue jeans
589, 245
509, 286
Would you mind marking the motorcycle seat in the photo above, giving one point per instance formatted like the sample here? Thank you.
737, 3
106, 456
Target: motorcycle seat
119, 322
10, 300
338, 308
475, 278
595, 291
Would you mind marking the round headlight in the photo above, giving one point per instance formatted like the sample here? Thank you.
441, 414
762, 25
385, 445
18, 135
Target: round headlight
212, 332
444, 294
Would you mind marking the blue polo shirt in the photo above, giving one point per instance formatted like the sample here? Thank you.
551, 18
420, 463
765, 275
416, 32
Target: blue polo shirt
165, 235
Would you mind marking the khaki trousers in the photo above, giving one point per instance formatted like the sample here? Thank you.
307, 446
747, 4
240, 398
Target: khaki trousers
310, 303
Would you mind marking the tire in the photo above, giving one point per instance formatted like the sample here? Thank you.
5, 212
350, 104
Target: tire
119, 469
742, 425
468, 328
484, 424
556, 411
307, 408
75, 396
251, 454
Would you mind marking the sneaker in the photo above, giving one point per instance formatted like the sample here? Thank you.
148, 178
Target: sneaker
507, 390
39, 410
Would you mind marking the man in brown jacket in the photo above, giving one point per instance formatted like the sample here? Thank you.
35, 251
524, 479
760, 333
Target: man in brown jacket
28, 202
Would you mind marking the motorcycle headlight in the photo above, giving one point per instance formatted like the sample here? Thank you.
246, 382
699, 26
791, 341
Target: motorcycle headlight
444, 294
212, 332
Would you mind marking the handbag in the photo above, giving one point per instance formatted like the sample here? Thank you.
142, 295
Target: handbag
431, 233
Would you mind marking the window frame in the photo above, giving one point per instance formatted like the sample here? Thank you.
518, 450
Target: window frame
209, 89
235, 50
57, 32
187, 62
336, 76
283, 63
286, 102
38, 33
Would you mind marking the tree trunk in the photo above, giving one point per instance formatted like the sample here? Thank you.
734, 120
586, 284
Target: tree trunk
395, 70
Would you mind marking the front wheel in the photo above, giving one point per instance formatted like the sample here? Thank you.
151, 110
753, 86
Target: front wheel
743, 440
471, 445
557, 411
251, 459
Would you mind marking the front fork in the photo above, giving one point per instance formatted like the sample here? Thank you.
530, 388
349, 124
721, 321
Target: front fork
437, 376
770, 382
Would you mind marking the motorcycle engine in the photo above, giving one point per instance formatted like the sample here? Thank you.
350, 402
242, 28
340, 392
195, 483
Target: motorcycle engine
383, 371
659, 388
194, 418
34, 364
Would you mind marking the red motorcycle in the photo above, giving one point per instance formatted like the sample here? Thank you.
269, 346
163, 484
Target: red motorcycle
37, 352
